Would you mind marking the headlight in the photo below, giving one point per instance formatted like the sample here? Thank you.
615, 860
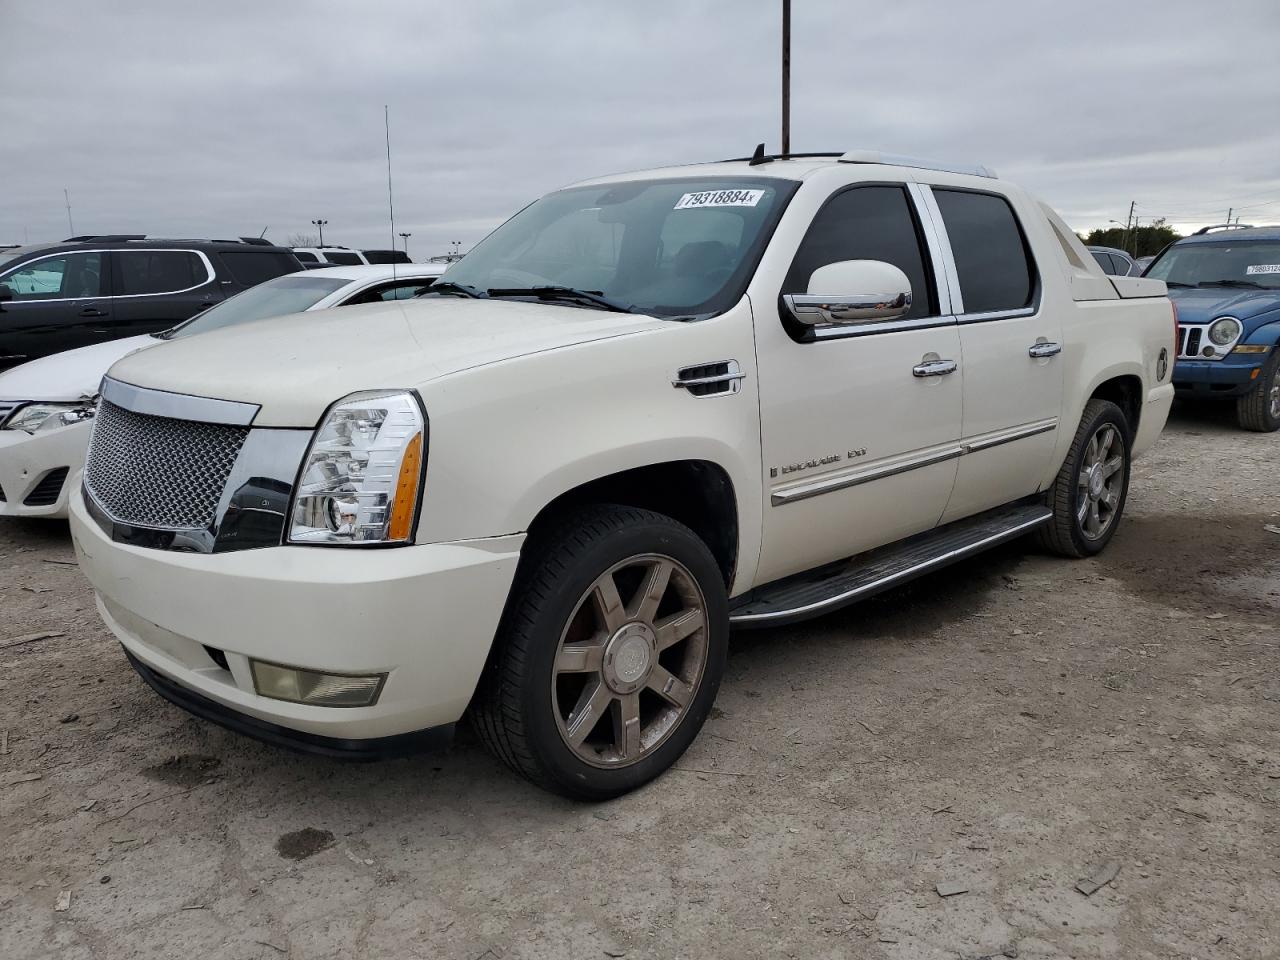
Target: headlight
1224, 331
42, 417
363, 472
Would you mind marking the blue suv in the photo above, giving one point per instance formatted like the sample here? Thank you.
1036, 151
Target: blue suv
1225, 283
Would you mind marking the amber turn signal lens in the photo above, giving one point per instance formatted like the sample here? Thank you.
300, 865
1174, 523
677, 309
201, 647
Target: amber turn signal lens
406, 496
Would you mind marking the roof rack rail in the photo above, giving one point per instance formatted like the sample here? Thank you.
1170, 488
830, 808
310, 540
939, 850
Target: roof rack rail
897, 160
1222, 226
105, 237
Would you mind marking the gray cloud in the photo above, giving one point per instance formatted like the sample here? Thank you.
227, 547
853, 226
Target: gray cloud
219, 119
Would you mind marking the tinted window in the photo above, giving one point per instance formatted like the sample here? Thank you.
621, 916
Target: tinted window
254, 266
306, 257
342, 259
157, 271
1104, 261
991, 257
270, 299
866, 223
70, 276
387, 256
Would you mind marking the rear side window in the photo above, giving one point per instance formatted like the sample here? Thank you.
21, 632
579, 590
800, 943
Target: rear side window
992, 260
1104, 261
140, 272
867, 223
343, 259
250, 267
306, 257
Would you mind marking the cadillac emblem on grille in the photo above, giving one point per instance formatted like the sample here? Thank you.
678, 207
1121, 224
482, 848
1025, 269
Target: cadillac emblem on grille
153, 471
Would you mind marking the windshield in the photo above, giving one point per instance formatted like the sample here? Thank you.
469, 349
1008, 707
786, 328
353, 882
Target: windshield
274, 298
1244, 263
671, 248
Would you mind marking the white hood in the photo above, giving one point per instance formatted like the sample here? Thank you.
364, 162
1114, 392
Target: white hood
70, 375
296, 366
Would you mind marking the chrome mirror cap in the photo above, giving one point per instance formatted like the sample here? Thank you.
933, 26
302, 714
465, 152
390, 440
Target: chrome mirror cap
886, 294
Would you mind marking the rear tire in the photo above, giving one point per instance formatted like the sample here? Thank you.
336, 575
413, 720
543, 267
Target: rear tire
1088, 496
609, 655
1259, 409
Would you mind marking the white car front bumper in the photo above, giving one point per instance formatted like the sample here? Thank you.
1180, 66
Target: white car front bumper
425, 615
30, 465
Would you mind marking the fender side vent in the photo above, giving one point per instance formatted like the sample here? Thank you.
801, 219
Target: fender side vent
719, 378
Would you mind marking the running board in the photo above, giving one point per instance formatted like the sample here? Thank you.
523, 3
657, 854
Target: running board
828, 588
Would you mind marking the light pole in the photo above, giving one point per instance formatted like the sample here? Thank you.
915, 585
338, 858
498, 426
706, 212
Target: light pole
405, 237
786, 77
320, 224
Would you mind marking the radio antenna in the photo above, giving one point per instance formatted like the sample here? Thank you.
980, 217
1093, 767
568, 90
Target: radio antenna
391, 207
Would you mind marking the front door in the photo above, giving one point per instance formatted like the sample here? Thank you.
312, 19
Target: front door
1010, 341
60, 302
859, 446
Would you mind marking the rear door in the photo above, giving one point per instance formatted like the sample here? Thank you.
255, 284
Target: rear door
157, 289
60, 301
1010, 339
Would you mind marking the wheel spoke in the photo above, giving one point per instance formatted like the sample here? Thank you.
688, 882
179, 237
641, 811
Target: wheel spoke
1091, 451
644, 605
608, 604
1083, 510
625, 712
676, 627
1105, 437
1112, 465
590, 707
1083, 479
1110, 498
1095, 519
670, 687
581, 657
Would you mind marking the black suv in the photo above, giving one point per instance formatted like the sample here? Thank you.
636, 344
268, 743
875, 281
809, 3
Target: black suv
59, 296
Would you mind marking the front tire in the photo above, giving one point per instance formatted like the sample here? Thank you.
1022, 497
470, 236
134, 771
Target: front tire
609, 655
1259, 409
1088, 496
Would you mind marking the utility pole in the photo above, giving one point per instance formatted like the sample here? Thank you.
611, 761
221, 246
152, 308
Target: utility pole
320, 224
1129, 226
786, 76
66, 195
405, 237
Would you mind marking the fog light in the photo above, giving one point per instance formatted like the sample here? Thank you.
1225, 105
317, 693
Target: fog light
316, 689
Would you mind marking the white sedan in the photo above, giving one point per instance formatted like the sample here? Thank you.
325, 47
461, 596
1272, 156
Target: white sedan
47, 405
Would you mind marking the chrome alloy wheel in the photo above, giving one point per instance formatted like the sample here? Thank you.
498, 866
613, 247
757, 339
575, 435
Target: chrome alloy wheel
1101, 481
1273, 400
626, 673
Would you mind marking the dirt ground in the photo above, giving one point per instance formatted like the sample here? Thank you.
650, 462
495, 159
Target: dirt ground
1009, 726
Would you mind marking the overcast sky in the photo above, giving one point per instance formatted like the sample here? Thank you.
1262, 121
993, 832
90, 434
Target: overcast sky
219, 119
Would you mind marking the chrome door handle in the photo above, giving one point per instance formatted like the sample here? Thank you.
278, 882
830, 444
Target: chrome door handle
1043, 349
934, 368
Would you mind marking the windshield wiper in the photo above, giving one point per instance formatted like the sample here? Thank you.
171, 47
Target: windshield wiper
551, 292
1177, 283
462, 289
1230, 283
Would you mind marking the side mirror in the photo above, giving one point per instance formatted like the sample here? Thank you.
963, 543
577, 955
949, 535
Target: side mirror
6, 292
851, 292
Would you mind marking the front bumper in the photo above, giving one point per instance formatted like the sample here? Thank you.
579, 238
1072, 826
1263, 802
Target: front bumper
1229, 377
27, 459
426, 615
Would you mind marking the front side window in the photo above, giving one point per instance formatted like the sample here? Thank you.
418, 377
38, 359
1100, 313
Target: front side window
867, 223
67, 277
994, 265
1220, 263
141, 272
270, 299
681, 248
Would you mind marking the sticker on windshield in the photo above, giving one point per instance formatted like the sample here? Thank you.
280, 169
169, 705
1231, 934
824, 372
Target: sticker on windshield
719, 198
1263, 268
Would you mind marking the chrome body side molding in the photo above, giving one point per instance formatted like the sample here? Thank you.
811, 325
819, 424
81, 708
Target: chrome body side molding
178, 406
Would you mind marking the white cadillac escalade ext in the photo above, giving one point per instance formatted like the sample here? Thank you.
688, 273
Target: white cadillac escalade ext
647, 408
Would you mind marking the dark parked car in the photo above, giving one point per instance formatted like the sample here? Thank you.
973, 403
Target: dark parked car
1115, 263
60, 296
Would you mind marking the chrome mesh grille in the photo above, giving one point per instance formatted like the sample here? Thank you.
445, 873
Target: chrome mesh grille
159, 472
